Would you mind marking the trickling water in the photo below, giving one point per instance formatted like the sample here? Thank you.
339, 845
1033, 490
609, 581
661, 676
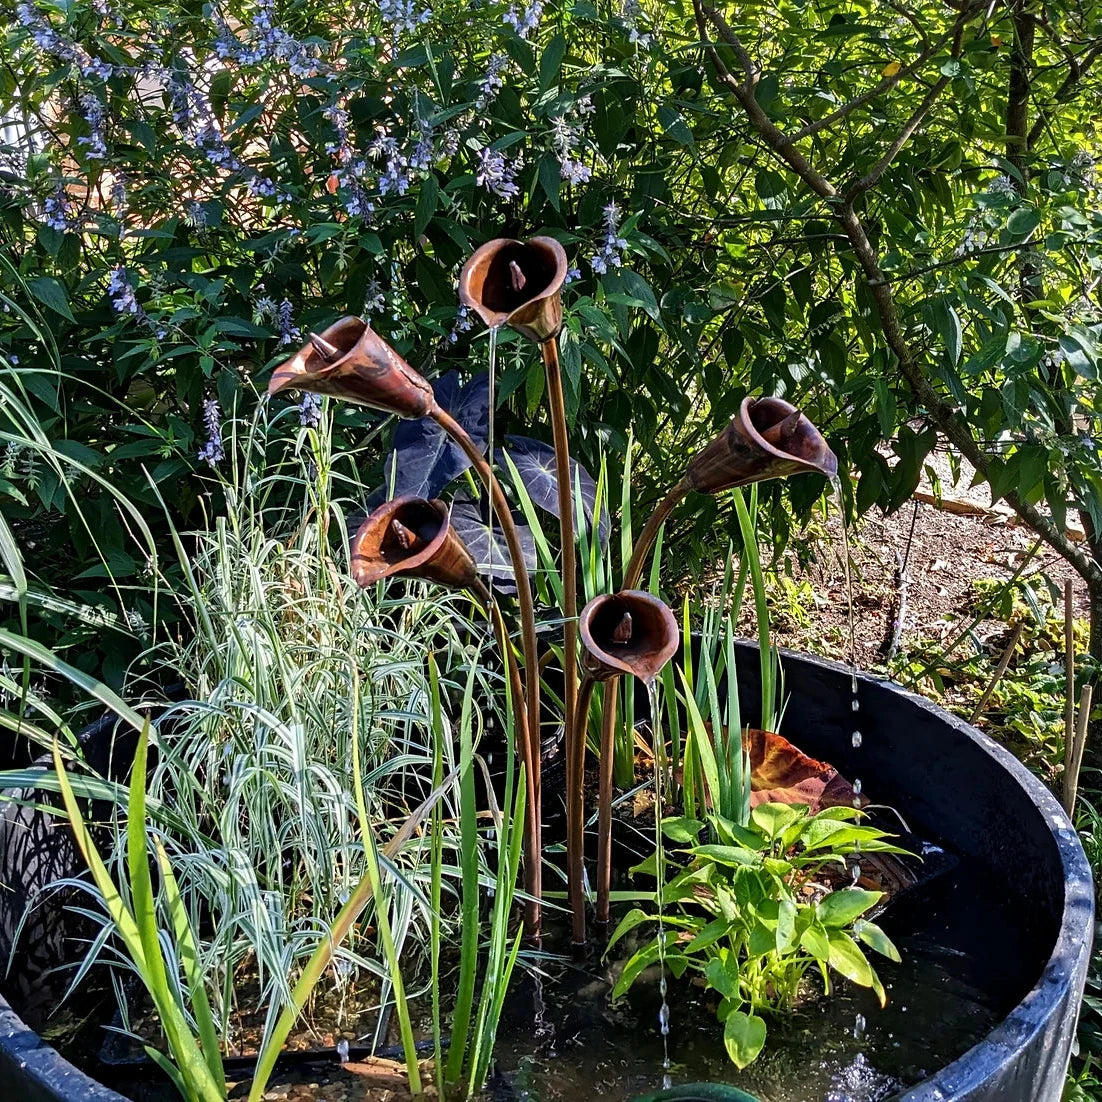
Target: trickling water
855, 704
659, 768
491, 372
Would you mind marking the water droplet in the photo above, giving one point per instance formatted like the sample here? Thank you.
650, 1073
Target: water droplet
859, 1026
856, 739
662, 987
664, 1019
342, 1051
856, 705
857, 786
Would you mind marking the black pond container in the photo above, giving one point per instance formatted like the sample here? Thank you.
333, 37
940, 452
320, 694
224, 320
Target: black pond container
946, 778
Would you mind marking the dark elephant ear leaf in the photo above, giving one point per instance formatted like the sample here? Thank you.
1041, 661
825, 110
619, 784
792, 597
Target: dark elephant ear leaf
535, 464
487, 543
425, 459
782, 774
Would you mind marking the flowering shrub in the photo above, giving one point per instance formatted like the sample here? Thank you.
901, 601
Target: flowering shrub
188, 190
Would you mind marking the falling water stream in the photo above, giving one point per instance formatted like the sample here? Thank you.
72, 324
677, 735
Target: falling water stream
855, 704
491, 411
659, 769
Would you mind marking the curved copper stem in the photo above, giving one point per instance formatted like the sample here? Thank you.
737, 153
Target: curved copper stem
604, 799
650, 533
575, 822
533, 871
575, 743
526, 749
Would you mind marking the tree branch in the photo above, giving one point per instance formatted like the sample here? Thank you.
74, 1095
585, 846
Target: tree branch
945, 416
884, 85
872, 177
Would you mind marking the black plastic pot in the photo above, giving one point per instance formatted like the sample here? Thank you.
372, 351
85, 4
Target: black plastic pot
942, 775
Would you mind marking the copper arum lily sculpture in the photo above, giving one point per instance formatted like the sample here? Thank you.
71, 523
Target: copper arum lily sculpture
768, 439
630, 632
517, 283
412, 536
351, 361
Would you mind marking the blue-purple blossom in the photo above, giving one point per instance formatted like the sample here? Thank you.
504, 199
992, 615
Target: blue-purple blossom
309, 410
497, 174
395, 174
268, 42
403, 16
288, 331
50, 41
526, 22
572, 274
463, 323
195, 214
631, 12
611, 254
424, 153
374, 300
121, 293
193, 114
212, 451
493, 81
342, 147
58, 209
449, 144
95, 144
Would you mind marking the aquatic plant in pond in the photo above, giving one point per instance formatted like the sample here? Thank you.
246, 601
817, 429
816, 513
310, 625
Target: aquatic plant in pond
753, 912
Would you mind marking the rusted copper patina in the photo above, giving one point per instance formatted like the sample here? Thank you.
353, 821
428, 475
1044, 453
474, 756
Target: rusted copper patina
627, 632
349, 360
414, 537
768, 438
517, 283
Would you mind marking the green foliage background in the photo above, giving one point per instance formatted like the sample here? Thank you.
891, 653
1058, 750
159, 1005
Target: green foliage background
224, 128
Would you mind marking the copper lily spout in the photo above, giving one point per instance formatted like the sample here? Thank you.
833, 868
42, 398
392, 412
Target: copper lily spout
517, 283
349, 360
769, 438
414, 537
627, 632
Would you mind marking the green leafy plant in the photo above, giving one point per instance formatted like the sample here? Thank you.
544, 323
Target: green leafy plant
736, 913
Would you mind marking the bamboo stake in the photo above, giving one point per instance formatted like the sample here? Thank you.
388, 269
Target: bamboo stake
1069, 686
1071, 778
996, 677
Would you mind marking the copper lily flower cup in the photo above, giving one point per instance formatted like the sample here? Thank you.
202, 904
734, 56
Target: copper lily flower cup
349, 360
627, 632
769, 438
517, 283
414, 537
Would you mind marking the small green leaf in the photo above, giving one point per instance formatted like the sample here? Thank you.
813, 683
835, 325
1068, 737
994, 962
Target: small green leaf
727, 855
721, 976
51, 292
841, 908
683, 829
876, 939
551, 61
772, 819
1023, 221
743, 1037
426, 204
846, 957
